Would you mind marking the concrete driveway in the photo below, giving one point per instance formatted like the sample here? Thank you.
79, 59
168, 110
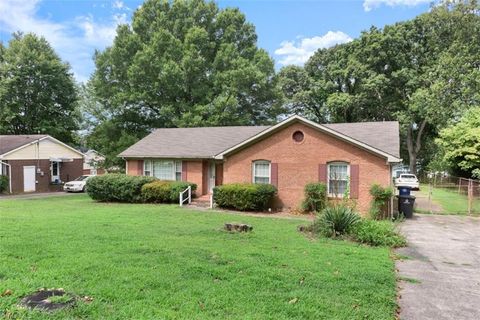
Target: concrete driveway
440, 278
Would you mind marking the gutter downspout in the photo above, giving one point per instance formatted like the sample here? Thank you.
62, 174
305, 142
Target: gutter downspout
393, 188
9, 175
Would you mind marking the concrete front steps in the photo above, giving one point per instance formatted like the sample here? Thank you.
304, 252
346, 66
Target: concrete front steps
201, 202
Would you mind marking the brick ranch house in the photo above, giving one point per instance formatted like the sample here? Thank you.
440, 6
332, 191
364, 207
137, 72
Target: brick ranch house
288, 155
38, 163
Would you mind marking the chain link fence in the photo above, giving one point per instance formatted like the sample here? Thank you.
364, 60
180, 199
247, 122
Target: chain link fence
440, 193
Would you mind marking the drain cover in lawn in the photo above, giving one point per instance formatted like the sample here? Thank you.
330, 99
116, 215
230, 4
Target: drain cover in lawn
49, 300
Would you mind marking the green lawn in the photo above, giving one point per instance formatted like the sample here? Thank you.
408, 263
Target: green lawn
164, 262
451, 201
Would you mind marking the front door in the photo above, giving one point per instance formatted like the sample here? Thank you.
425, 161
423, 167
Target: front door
211, 176
29, 180
55, 171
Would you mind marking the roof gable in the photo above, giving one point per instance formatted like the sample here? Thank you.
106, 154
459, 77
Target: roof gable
354, 133
11, 145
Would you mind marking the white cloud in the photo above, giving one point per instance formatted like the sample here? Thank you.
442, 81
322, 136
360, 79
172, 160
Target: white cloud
368, 5
74, 40
118, 4
298, 52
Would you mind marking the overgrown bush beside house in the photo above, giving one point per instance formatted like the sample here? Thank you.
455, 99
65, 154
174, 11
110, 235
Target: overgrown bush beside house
3, 184
244, 196
378, 233
381, 197
315, 197
117, 187
165, 191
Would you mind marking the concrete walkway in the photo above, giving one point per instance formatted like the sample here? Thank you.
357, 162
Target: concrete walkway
440, 279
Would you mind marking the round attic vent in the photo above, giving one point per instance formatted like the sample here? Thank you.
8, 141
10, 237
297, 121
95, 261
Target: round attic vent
298, 136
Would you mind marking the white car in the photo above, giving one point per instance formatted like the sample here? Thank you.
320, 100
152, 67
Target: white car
77, 185
407, 180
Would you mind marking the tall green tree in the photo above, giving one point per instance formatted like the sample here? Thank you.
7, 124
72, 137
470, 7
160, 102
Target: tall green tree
186, 63
460, 144
37, 90
423, 73
303, 96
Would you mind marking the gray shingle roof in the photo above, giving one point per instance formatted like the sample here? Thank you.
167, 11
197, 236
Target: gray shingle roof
382, 135
203, 142
11, 142
206, 142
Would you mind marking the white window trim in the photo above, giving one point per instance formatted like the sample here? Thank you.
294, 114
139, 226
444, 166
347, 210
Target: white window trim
174, 166
333, 195
269, 170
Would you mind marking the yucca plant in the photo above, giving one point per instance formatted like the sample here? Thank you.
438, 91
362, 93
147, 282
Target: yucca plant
336, 221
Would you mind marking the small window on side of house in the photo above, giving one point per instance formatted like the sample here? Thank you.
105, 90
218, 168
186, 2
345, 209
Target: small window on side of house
261, 172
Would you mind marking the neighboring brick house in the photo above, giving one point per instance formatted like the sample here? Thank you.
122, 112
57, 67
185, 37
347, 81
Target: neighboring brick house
38, 163
288, 155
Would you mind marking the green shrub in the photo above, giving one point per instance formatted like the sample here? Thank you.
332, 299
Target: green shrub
315, 197
247, 196
165, 191
377, 233
381, 197
117, 187
335, 221
3, 184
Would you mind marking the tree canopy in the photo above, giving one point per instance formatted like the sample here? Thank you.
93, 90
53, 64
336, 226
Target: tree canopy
460, 143
37, 90
184, 63
423, 72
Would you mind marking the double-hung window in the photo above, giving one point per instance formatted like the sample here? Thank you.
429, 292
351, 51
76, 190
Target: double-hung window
147, 167
163, 169
261, 172
338, 176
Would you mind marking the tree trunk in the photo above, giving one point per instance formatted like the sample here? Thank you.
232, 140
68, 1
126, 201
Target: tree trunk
414, 145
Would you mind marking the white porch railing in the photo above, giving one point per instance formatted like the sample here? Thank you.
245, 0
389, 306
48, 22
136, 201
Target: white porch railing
188, 198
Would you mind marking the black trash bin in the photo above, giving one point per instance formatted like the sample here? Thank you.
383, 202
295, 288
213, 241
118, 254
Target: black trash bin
405, 205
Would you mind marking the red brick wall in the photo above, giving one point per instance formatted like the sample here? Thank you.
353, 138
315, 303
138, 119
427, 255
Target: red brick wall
195, 174
135, 167
298, 163
68, 171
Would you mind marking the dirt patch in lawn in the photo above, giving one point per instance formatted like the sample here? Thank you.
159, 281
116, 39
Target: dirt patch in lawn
48, 300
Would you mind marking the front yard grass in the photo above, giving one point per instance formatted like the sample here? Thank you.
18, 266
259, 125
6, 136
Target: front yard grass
164, 262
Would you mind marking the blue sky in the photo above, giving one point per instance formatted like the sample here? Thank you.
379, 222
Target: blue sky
289, 30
